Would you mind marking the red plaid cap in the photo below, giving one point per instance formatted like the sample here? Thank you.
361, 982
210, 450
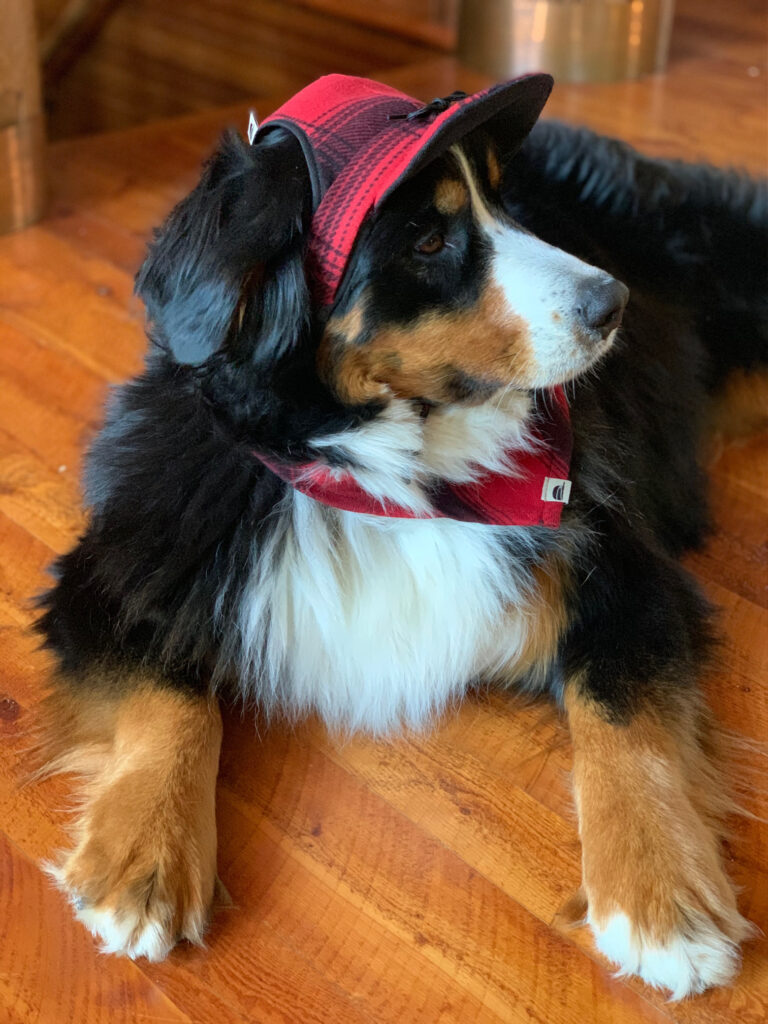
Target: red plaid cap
360, 144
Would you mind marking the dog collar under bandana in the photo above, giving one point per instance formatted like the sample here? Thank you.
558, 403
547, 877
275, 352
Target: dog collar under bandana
361, 139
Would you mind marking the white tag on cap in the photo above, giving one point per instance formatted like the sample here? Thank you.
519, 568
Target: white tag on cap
253, 127
556, 490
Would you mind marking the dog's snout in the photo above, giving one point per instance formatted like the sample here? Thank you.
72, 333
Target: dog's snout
602, 305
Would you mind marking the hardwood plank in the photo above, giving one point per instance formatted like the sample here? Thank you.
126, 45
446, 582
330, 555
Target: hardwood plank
530, 853
40, 952
294, 930
51, 405
71, 302
397, 871
736, 557
21, 570
45, 502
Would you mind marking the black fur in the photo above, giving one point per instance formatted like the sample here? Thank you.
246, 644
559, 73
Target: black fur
177, 497
178, 500
691, 235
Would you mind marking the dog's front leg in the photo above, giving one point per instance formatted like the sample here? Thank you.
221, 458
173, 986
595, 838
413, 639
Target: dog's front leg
649, 794
142, 871
650, 807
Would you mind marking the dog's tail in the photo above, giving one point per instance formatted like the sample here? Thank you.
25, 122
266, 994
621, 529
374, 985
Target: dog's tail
693, 234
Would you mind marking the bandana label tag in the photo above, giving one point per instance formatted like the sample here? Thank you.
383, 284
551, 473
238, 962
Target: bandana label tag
555, 489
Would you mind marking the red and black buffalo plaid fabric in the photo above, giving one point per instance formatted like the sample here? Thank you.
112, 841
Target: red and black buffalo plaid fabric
361, 139
532, 494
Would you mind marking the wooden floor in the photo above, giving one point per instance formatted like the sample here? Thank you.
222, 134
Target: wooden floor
153, 60
416, 881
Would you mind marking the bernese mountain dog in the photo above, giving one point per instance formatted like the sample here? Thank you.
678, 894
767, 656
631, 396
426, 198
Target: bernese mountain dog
317, 495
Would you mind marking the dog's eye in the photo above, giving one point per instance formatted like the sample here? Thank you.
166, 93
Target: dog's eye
430, 245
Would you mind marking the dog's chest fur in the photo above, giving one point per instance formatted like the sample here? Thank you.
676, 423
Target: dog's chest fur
375, 621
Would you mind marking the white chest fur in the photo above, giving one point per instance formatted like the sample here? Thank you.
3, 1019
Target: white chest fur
375, 622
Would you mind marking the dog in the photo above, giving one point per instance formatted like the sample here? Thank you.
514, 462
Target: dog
402, 429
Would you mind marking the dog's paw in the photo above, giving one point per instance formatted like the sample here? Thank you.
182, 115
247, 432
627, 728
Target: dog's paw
142, 870
136, 909
142, 873
695, 956
136, 916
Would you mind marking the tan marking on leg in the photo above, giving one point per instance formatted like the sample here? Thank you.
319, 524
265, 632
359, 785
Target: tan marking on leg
540, 624
651, 806
450, 196
143, 868
73, 733
548, 615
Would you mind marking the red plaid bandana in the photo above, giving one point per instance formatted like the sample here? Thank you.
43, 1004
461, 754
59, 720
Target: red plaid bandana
362, 139
533, 496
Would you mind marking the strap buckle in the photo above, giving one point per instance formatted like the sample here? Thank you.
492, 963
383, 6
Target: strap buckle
435, 106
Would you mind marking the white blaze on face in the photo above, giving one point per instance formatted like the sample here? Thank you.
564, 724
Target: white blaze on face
544, 286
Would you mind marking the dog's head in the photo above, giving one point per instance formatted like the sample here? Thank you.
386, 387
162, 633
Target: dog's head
445, 298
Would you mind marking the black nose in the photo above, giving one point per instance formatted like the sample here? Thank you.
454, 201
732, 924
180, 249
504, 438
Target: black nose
602, 305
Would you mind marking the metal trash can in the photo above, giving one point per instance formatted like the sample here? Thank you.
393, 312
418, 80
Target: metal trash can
575, 40
22, 136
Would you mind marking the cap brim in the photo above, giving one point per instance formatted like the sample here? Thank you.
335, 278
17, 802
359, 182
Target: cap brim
508, 111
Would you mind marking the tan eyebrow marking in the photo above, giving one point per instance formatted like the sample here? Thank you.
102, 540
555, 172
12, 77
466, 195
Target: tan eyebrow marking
484, 216
450, 195
494, 170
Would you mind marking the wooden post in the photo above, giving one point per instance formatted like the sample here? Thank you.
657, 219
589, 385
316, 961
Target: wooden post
21, 118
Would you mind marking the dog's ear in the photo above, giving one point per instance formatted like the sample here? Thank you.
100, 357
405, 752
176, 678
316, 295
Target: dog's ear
228, 261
